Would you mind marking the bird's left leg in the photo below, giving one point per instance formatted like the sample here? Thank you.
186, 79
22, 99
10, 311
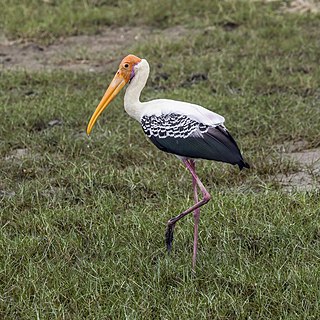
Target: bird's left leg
173, 221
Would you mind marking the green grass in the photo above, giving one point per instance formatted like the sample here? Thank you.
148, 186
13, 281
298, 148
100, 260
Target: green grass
83, 219
50, 19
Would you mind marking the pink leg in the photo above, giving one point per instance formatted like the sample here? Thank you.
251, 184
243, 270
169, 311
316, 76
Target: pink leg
195, 207
196, 216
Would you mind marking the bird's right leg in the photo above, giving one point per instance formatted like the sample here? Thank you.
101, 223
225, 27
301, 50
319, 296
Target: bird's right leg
196, 216
174, 220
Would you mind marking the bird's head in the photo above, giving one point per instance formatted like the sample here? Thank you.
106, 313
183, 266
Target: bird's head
124, 74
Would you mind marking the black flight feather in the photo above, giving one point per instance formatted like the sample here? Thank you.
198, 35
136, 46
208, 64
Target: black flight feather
180, 135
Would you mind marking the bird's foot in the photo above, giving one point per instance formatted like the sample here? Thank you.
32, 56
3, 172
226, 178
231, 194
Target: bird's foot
169, 235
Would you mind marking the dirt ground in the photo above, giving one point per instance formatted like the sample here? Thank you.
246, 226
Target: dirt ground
308, 161
88, 53
93, 53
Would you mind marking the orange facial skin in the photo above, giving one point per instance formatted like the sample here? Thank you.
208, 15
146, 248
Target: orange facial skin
126, 66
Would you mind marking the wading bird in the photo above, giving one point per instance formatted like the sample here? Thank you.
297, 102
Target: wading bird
186, 130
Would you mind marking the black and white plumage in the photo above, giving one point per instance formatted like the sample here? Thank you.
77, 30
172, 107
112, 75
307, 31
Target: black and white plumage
180, 135
186, 130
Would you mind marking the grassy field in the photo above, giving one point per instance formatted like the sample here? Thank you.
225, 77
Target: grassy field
83, 219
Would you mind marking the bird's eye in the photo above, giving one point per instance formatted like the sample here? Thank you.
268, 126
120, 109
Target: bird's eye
126, 65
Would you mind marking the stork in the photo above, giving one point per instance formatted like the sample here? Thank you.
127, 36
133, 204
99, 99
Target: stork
186, 130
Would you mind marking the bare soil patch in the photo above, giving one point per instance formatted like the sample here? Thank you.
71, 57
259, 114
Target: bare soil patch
307, 178
89, 53
299, 6
302, 6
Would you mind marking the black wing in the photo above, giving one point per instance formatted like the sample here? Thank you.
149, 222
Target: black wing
183, 136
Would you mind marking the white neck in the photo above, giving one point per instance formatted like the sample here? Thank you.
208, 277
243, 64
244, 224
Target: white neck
132, 103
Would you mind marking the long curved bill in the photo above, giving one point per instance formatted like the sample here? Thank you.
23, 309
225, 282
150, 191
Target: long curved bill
114, 88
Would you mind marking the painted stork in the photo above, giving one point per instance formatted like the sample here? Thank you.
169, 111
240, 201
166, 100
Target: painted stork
186, 130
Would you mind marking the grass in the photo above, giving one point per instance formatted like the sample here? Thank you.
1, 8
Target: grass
83, 219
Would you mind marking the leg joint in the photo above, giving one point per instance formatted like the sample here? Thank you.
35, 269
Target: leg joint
206, 197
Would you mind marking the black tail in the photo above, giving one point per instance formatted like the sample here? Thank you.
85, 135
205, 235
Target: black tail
242, 164
229, 147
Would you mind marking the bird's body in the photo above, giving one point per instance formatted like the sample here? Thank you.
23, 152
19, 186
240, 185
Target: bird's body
186, 130
181, 128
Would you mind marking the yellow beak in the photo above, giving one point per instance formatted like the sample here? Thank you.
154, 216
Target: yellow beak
114, 88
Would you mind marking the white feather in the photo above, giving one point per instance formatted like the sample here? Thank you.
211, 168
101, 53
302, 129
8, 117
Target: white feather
193, 111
